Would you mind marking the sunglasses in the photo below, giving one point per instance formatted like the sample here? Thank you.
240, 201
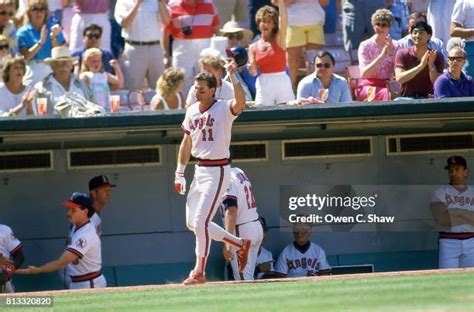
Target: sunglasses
4, 13
456, 58
235, 36
93, 36
4, 47
39, 9
325, 65
381, 25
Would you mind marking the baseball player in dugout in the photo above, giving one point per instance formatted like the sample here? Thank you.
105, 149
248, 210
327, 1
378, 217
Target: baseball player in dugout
240, 216
207, 130
11, 258
82, 256
302, 257
453, 210
100, 190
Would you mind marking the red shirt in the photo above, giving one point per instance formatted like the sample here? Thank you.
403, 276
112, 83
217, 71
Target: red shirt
201, 17
271, 59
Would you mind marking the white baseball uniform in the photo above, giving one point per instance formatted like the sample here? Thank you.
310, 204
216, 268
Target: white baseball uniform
264, 256
86, 270
239, 194
456, 244
9, 245
295, 261
210, 132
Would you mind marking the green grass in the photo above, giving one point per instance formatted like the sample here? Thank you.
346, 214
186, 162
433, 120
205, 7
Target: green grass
441, 292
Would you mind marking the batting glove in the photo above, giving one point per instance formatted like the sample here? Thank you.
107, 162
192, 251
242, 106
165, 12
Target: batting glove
180, 182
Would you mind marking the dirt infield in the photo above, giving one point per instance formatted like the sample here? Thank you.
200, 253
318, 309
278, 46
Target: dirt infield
218, 284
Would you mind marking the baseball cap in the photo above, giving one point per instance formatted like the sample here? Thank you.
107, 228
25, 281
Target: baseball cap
456, 160
78, 200
99, 181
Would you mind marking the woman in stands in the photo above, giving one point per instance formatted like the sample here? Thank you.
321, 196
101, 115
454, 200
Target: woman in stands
268, 57
169, 89
376, 59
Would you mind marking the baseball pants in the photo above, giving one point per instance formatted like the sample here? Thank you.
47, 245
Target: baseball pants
186, 54
98, 282
204, 197
456, 253
254, 232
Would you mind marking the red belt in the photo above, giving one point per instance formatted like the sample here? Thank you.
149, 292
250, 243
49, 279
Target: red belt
85, 277
213, 162
456, 235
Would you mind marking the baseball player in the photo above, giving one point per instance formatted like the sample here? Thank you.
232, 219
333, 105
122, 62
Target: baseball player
453, 209
302, 257
83, 254
11, 256
100, 192
240, 215
207, 129
265, 260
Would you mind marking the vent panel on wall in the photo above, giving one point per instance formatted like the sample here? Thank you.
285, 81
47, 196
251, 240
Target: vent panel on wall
26, 161
429, 143
136, 156
327, 148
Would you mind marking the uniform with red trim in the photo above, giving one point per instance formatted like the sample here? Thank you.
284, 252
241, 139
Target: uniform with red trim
11, 258
207, 132
302, 257
453, 208
83, 254
239, 212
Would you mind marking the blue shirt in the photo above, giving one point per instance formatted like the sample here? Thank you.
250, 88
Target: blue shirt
338, 88
447, 86
106, 57
28, 36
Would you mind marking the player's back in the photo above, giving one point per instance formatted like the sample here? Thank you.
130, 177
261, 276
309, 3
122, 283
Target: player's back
247, 207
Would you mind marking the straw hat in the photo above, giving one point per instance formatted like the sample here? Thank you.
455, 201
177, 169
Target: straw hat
232, 27
59, 54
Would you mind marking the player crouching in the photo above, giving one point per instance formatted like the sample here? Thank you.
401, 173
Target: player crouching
83, 253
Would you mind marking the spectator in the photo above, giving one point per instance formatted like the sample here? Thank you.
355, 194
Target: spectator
439, 12
253, 7
305, 29
91, 38
93, 74
141, 29
453, 211
191, 24
7, 26
267, 55
11, 256
397, 28
55, 9
235, 10
454, 83
61, 81
16, 97
419, 5
407, 41
302, 257
169, 89
417, 67
36, 40
90, 12
5, 51
213, 65
376, 59
323, 78
236, 35
462, 25
356, 22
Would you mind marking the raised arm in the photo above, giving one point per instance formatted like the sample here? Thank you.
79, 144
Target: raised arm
283, 23
239, 103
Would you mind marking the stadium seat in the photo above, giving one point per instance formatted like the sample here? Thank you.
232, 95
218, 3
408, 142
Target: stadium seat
353, 77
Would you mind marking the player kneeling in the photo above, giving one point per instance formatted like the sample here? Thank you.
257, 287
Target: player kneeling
83, 253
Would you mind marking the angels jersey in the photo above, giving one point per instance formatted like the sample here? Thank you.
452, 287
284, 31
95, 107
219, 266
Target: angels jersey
294, 263
85, 243
456, 198
210, 130
9, 244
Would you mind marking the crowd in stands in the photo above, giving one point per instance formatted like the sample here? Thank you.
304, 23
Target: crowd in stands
286, 51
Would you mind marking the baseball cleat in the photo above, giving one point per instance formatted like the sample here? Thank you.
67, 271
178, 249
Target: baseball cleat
195, 278
243, 254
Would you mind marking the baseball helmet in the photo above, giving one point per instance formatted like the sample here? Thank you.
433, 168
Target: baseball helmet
240, 55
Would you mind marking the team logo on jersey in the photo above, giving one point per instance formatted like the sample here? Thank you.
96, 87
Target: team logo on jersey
461, 200
199, 123
81, 243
